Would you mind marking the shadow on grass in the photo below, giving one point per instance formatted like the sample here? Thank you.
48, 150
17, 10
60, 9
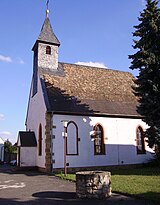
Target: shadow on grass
155, 196
144, 171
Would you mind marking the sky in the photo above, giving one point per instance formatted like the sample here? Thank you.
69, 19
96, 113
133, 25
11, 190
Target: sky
96, 32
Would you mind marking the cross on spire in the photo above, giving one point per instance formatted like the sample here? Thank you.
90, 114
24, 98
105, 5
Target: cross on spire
47, 4
47, 10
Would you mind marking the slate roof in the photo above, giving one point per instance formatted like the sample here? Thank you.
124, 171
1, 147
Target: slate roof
77, 89
47, 35
27, 139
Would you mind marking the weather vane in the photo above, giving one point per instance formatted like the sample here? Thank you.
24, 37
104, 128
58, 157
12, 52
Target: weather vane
47, 10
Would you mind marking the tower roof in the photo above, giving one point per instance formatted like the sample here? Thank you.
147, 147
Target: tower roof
47, 34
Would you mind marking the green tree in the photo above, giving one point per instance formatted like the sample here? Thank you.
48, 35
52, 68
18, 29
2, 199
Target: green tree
9, 148
147, 61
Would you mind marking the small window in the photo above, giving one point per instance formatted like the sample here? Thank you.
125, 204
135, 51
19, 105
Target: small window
40, 140
99, 146
35, 75
48, 50
140, 141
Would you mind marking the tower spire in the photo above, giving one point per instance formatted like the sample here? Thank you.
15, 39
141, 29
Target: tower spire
47, 9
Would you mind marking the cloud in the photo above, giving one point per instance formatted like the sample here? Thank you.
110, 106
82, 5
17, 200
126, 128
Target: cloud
8, 59
21, 62
5, 59
6, 133
1, 116
93, 64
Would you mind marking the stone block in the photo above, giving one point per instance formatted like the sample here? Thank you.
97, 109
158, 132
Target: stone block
93, 184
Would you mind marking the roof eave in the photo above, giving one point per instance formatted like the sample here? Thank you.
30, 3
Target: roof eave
45, 42
97, 114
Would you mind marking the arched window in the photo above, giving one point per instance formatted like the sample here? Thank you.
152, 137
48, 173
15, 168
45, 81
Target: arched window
40, 140
140, 141
48, 50
99, 146
72, 139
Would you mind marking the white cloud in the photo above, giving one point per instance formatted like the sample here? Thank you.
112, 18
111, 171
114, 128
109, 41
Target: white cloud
21, 62
93, 64
8, 59
5, 59
6, 133
1, 116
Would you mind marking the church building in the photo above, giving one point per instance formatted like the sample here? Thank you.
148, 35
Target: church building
79, 117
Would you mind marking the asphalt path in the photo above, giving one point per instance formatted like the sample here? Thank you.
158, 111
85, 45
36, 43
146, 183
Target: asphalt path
29, 188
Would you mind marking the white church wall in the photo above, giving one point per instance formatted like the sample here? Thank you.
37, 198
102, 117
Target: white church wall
119, 136
36, 115
27, 157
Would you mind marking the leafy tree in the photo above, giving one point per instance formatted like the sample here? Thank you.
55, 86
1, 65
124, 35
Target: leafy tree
147, 61
9, 148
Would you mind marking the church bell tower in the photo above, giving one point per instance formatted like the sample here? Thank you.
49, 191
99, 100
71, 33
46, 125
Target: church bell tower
46, 47
45, 51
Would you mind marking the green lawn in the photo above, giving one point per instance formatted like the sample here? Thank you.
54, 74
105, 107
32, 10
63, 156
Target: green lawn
142, 182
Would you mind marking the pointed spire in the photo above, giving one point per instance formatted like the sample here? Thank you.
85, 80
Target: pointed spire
47, 34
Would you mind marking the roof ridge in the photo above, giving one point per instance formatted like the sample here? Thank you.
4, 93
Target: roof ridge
101, 68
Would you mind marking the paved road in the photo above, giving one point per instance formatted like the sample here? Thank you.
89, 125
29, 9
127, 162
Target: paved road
30, 188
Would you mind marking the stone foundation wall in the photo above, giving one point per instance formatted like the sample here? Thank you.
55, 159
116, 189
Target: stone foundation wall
93, 184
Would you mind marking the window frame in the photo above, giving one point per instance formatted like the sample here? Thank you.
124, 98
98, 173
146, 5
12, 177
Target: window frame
35, 75
77, 139
140, 140
40, 140
102, 145
48, 50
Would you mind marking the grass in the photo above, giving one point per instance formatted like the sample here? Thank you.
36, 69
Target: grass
144, 182
141, 182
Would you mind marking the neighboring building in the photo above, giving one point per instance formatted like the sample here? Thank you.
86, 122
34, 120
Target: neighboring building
1, 150
27, 146
94, 108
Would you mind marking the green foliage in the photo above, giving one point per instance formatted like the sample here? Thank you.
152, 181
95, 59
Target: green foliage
9, 148
69, 177
147, 61
156, 161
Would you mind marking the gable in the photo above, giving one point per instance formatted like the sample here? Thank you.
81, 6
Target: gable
85, 90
